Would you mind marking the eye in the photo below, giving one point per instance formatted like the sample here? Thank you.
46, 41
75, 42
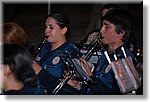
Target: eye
51, 27
107, 26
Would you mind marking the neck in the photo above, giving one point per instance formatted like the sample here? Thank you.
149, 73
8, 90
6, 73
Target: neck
113, 46
57, 44
13, 85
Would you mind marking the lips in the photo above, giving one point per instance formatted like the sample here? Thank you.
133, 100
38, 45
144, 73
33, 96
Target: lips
46, 36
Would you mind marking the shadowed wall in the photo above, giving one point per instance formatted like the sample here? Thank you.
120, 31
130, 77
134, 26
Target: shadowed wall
83, 18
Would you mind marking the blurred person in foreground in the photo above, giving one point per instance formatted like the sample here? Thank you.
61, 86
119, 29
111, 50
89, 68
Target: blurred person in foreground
18, 77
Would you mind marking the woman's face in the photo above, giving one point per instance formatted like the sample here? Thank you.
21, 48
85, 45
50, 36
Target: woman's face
53, 30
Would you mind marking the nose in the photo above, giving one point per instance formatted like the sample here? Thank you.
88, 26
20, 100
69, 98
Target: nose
46, 30
102, 31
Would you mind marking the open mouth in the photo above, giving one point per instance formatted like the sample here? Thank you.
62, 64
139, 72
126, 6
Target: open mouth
46, 36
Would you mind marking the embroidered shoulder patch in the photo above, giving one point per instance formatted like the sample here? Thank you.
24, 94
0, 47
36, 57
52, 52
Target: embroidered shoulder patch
56, 60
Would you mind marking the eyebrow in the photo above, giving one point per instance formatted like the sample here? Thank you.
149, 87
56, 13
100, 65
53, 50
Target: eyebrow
49, 25
105, 23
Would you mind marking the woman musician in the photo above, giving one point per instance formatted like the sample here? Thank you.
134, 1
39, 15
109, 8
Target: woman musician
48, 58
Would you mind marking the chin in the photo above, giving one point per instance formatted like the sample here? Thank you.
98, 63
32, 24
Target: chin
49, 40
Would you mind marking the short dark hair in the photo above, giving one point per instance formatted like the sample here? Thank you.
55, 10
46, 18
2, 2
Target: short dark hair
122, 19
62, 21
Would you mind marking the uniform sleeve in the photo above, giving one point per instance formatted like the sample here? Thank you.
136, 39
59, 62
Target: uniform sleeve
50, 82
98, 87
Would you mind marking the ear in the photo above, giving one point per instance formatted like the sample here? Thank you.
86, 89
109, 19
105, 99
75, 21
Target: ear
121, 34
64, 30
7, 70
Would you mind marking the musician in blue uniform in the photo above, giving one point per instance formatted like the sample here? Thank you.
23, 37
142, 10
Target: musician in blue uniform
18, 77
57, 46
51, 61
116, 28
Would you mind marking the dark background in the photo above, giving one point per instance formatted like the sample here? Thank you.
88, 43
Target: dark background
83, 18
